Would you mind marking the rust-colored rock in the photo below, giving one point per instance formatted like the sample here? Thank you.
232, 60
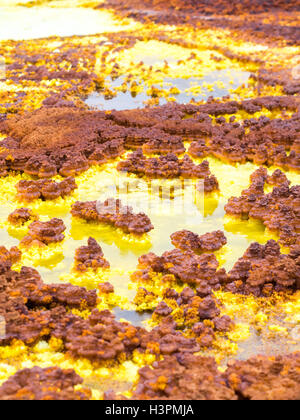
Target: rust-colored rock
186, 267
21, 216
211, 184
68, 140
196, 310
184, 377
100, 337
90, 256
188, 377
106, 288
168, 166
278, 210
199, 149
200, 7
262, 141
263, 270
43, 385
45, 233
114, 213
63, 140
45, 189
166, 340
186, 240
164, 144
266, 378
29, 306
9, 257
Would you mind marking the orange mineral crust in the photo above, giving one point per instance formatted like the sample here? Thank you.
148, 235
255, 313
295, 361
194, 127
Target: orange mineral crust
69, 140
168, 166
280, 76
45, 233
33, 311
112, 212
30, 307
223, 7
189, 377
21, 216
182, 377
263, 270
9, 257
44, 385
186, 240
45, 189
250, 20
59, 140
163, 143
170, 108
90, 256
266, 378
278, 210
101, 337
200, 314
262, 141
186, 267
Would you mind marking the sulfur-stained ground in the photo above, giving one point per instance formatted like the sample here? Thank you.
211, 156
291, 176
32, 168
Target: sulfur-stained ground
131, 65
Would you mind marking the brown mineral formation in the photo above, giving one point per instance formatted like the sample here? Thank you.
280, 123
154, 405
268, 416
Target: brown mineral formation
263, 270
45, 233
43, 385
184, 377
278, 210
114, 213
223, 7
168, 166
21, 216
45, 189
188, 377
266, 378
90, 256
68, 140
186, 267
59, 140
186, 240
29, 306
200, 314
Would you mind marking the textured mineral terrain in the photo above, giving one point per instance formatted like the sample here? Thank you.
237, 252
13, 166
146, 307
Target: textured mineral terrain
150, 200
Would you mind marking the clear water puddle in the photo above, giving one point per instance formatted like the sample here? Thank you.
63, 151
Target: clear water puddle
134, 317
130, 100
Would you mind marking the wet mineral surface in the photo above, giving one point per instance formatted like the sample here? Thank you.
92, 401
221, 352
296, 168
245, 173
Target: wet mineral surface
150, 200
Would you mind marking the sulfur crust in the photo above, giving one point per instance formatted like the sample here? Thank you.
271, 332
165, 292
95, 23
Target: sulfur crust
46, 256
253, 315
17, 356
225, 346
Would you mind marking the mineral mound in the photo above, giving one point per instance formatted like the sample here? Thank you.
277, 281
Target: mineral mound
209, 242
21, 216
43, 384
45, 189
186, 267
114, 213
278, 210
60, 140
90, 256
263, 270
45, 233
